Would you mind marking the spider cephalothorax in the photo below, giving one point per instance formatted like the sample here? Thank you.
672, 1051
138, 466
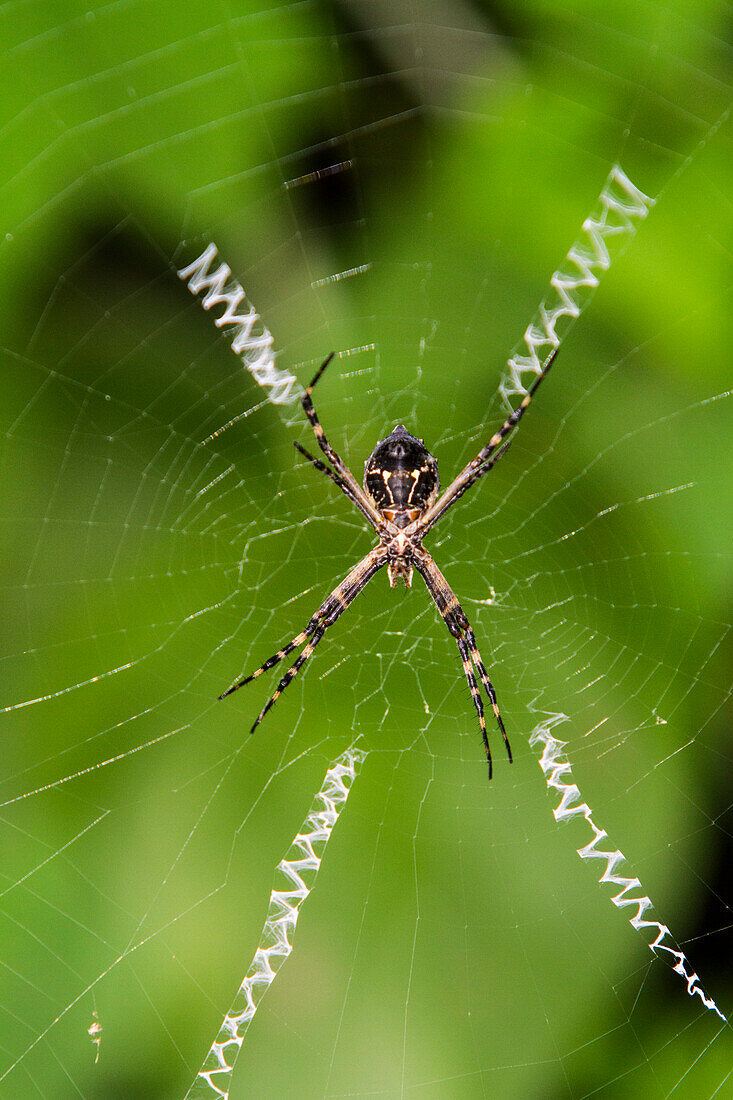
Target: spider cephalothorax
400, 500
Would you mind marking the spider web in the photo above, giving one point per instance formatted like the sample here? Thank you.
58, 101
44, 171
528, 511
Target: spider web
398, 184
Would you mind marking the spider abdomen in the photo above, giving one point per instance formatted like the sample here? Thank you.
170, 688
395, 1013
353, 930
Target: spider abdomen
401, 477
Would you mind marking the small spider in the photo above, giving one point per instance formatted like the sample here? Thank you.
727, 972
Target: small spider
400, 500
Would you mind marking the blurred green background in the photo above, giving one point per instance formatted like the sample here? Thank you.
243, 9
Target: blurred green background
455, 945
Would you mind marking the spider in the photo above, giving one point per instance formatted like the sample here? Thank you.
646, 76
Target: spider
400, 500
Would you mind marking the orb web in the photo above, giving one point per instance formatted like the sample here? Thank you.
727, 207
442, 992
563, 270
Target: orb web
398, 187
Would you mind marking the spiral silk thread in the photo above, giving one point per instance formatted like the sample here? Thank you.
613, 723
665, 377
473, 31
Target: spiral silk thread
294, 880
252, 340
606, 232
558, 776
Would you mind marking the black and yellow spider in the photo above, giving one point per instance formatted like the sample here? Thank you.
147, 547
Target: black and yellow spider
400, 500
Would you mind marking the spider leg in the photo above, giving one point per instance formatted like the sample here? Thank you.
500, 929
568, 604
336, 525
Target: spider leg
466, 483
292, 672
475, 693
457, 622
488, 686
332, 607
480, 465
319, 465
340, 466
274, 660
335, 478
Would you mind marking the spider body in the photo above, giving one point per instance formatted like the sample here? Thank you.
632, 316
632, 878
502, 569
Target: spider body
401, 477
400, 500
